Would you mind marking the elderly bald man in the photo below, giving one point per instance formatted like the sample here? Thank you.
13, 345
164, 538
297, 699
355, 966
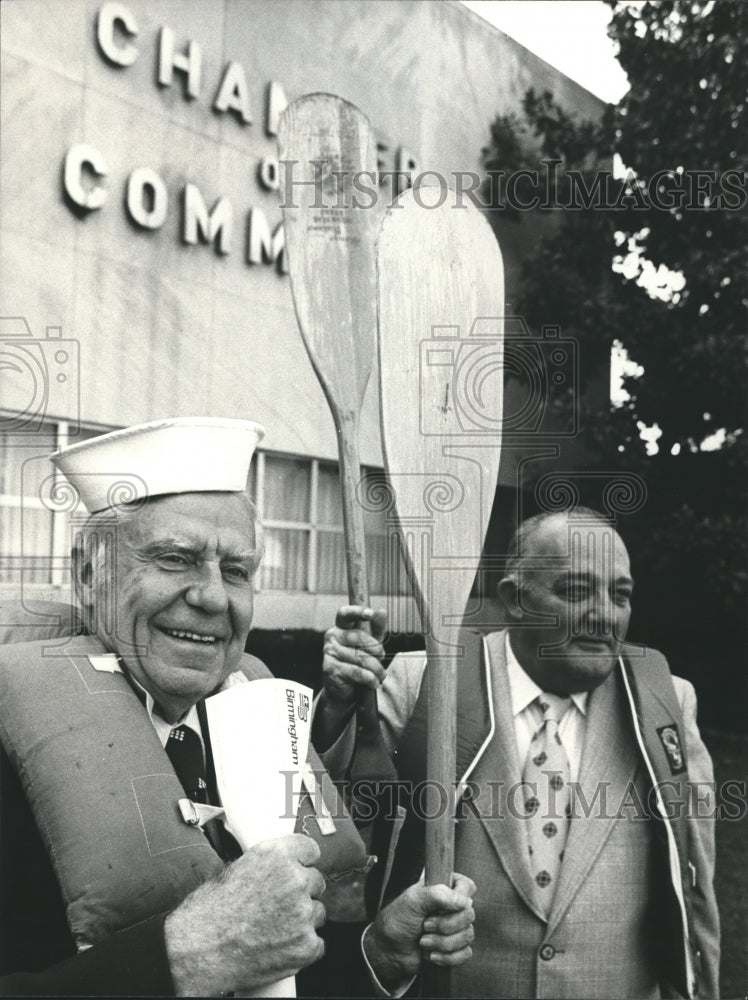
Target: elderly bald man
588, 818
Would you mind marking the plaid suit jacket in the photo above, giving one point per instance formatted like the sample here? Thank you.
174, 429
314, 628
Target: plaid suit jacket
604, 933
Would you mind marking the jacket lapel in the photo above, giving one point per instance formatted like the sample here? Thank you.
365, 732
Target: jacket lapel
500, 764
608, 766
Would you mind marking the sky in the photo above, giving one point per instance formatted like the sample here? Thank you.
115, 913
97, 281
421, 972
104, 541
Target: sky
569, 34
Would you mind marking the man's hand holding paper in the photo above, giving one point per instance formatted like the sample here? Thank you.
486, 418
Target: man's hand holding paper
256, 923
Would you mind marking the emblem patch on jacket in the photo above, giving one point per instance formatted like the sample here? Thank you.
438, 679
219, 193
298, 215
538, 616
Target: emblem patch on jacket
670, 739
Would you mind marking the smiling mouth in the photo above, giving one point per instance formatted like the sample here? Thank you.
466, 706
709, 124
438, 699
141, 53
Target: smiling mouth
593, 643
205, 640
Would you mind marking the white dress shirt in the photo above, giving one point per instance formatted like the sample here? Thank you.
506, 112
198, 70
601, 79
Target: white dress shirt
191, 719
528, 717
162, 727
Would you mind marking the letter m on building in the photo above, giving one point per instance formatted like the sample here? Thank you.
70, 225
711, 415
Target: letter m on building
210, 227
262, 246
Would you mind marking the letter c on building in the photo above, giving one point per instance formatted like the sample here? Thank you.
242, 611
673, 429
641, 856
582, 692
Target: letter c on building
78, 157
112, 14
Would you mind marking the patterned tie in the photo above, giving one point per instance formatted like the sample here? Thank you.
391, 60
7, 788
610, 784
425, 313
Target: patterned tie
184, 750
547, 799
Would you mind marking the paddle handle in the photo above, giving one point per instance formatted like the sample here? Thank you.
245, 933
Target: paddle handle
355, 543
353, 516
441, 695
371, 760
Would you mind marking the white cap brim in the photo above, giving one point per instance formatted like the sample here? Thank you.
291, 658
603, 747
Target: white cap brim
179, 455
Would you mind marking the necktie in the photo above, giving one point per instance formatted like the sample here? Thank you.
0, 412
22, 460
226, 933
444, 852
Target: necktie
546, 778
185, 751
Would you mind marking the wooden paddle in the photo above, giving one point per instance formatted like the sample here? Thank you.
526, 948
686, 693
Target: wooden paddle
441, 391
331, 254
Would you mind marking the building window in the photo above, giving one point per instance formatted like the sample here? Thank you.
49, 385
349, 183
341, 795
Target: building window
300, 505
34, 540
298, 499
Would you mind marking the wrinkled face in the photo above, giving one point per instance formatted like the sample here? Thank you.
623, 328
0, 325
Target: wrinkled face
180, 595
582, 590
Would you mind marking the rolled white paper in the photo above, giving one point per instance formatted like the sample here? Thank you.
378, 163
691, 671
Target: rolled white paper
260, 735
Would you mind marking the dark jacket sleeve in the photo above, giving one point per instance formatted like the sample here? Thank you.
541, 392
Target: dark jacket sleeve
132, 962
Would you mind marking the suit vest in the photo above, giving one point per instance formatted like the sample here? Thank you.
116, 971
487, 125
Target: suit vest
656, 726
104, 794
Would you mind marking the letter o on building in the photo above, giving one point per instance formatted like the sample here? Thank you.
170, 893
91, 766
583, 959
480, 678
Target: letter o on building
268, 173
147, 199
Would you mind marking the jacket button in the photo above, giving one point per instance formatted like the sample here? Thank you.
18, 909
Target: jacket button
547, 952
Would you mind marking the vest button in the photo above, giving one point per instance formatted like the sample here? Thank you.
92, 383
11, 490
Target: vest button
547, 952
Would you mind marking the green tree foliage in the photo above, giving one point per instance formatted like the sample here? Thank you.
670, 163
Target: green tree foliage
681, 131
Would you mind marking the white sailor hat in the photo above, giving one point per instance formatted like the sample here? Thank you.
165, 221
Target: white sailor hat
179, 455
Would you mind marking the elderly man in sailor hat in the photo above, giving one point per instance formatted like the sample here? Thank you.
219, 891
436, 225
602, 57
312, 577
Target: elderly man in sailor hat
105, 742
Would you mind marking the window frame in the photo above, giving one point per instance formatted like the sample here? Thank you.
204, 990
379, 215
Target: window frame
58, 552
59, 533
312, 527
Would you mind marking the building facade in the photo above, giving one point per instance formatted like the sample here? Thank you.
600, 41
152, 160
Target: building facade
141, 242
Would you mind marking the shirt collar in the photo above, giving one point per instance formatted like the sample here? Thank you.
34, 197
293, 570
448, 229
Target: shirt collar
189, 719
523, 690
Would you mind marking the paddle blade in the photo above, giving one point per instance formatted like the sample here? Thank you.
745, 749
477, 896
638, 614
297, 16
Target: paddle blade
330, 240
331, 253
441, 304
